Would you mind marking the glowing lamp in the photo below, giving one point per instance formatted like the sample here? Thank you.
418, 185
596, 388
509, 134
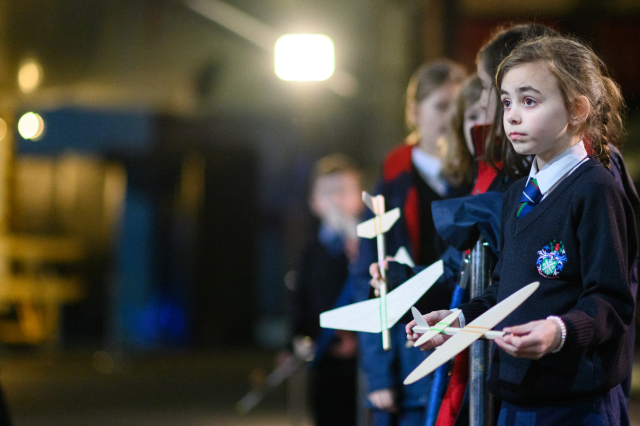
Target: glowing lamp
30, 126
29, 76
304, 57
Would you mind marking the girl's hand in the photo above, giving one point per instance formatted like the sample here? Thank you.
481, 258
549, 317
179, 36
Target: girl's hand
532, 340
376, 277
432, 318
383, 399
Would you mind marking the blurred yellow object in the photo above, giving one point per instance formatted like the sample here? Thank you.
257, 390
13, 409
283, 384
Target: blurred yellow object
36, 292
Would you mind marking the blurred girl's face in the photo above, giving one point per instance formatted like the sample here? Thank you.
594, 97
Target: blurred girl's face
474, 115
432, 116
488, 98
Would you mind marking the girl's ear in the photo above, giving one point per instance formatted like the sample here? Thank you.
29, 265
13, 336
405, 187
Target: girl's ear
580, 111
411, 112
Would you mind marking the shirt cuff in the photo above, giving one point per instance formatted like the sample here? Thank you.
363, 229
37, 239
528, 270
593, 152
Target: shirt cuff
460, 317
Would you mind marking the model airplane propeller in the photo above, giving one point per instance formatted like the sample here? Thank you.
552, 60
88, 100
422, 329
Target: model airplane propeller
376, 228
464, 337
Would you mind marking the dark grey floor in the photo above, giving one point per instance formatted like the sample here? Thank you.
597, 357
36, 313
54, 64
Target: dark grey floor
173, 389
84, 388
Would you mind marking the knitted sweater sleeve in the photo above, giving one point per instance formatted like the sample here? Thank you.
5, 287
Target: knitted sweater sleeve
607, 238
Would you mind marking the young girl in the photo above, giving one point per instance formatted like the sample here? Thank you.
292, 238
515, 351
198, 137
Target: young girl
467, 112
410, 180
569, 226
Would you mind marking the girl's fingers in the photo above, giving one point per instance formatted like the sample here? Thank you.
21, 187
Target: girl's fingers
374, 271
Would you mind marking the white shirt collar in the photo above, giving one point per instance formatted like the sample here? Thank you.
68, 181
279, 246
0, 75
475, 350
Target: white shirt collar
429, 168
558, 167
427, 164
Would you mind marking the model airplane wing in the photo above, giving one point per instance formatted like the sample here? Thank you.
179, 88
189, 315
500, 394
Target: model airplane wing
472, 332
365, 316
379, 224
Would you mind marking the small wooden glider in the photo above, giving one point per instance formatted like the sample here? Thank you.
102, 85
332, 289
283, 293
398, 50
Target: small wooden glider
464, 337
442, 328
363, 316
375, 228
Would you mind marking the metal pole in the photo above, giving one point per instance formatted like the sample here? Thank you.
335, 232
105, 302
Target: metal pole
480, 404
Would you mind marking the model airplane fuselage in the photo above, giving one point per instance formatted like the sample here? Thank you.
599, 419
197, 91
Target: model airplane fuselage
376, 228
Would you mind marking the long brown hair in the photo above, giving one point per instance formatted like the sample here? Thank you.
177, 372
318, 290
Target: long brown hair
457, 165
579, 72
499, 46
427, 79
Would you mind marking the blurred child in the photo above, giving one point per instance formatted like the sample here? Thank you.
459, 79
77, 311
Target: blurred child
569, 226
411, 179
335, 199
467, 112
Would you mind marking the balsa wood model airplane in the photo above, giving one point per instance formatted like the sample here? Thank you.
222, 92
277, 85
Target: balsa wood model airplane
442, 328
376, 228
364, 316
464, 337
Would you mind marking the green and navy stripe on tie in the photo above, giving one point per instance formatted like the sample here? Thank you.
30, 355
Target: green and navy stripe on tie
530, 197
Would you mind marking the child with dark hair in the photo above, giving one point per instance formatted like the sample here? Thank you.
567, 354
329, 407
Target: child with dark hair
335, 199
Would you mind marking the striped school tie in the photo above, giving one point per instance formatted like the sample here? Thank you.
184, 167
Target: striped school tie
530, 198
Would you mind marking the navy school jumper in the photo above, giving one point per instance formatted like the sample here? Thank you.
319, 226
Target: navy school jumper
589, 219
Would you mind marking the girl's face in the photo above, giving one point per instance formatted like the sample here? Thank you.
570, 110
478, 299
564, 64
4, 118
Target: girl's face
474, 114
432, 116
339, 192
488, 98
535, 118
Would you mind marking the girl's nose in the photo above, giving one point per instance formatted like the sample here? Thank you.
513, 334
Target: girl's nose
512, 117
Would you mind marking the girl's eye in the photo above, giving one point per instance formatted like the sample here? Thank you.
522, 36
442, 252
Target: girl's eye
506, 103
442, 106
472, 117
529, 102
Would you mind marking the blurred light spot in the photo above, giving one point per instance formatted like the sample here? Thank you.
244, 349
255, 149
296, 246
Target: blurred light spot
29, 76
31, 126
291, 280
3, 129
304, 57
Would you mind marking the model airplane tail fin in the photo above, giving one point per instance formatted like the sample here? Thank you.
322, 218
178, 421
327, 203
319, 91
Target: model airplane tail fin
418, 317
403, 256
368, 201
378, 225
438, 328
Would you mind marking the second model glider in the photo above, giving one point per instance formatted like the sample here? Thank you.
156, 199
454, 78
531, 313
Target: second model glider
469, 334
365, 316
375, 228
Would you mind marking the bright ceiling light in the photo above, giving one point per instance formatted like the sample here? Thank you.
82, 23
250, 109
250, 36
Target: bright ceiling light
304, 57
29, 76
30, 126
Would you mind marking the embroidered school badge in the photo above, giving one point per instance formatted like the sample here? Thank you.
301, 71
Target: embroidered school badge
551, 259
